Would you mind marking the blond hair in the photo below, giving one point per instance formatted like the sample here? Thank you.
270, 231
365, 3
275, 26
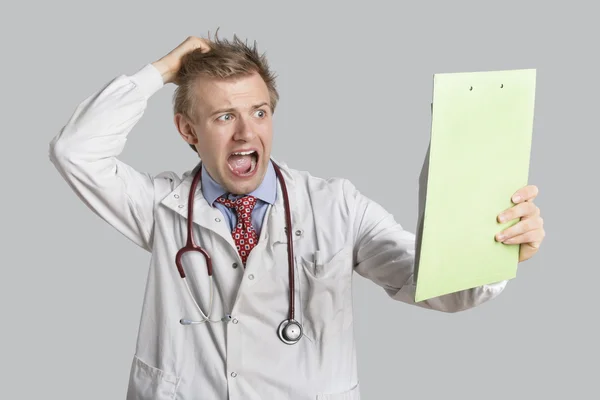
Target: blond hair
226, 59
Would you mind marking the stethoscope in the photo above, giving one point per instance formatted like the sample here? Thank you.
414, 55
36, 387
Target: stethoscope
290, 330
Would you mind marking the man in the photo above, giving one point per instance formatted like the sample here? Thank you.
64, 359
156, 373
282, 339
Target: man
224, 104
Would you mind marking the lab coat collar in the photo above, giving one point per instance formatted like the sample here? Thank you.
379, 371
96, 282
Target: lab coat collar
266, 191
210, 217
204, 215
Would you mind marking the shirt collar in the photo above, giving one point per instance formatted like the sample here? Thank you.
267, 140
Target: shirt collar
266, 191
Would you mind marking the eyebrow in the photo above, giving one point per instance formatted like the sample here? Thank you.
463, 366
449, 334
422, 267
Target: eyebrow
228, 110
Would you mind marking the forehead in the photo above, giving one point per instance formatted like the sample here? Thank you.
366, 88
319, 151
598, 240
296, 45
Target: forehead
238, 92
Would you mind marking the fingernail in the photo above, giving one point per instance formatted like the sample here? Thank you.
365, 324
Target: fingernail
517, 199
502, 218
501, 237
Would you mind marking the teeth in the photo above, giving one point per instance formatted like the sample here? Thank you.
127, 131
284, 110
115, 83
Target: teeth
243, 153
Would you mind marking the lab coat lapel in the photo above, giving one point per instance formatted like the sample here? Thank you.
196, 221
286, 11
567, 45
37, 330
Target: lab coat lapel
277, 219
204, 215
274, 229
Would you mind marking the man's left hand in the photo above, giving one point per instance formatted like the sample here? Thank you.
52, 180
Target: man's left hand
529, 231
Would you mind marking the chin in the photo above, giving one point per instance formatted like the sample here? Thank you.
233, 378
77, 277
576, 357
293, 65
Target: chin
238, 188
245, 184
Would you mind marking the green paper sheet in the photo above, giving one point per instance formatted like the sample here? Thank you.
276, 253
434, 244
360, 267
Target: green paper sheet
479, 157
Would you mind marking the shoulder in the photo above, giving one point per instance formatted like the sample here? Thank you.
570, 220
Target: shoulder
333, 188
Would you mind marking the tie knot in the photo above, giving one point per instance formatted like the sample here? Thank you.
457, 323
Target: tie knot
243, 204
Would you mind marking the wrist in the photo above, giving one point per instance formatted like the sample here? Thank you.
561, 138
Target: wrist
164, 70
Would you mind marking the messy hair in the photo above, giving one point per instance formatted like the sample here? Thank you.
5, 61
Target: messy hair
226, 59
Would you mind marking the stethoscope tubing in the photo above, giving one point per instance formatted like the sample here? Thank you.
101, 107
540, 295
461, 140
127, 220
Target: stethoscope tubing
192, 246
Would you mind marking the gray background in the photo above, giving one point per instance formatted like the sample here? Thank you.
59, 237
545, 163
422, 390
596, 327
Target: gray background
356, 86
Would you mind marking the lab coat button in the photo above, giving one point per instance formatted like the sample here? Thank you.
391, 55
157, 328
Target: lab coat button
176, 196
235, 321
250, 276
233, 374
218, 219
180, 206
235, 265
298, 232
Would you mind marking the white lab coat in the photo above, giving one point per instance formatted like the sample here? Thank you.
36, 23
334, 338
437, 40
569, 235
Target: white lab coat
242, 360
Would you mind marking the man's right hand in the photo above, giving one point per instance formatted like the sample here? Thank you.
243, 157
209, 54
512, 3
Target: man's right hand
170, 64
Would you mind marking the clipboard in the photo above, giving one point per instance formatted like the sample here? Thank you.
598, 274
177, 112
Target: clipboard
479, 155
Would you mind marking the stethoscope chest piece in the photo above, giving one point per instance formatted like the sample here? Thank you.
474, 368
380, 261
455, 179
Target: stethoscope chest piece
290, 331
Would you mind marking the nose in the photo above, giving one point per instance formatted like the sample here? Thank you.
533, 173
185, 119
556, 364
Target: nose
244, 131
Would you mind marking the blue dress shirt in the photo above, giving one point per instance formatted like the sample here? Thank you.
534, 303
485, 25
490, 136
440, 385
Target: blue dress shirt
265, 193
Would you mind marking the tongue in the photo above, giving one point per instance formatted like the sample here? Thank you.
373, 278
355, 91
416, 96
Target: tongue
240, 164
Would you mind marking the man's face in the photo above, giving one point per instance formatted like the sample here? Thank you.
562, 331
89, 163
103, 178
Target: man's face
234, 130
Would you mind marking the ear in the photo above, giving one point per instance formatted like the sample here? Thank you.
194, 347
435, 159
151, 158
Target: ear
185, 128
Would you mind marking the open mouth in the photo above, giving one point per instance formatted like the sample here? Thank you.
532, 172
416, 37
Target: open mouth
243, 163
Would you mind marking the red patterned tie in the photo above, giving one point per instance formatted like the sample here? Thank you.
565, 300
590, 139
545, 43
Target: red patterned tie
243, 234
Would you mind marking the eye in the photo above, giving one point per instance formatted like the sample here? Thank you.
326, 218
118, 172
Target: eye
225, 117
261, 113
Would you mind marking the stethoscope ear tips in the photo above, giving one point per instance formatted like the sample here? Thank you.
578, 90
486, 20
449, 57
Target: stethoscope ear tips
289, 331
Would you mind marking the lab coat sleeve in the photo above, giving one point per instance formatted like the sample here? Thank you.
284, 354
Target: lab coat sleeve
385, 254
85, 153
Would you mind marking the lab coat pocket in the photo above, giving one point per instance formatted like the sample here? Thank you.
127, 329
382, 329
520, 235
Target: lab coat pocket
352, 394
147, 382
326, 296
